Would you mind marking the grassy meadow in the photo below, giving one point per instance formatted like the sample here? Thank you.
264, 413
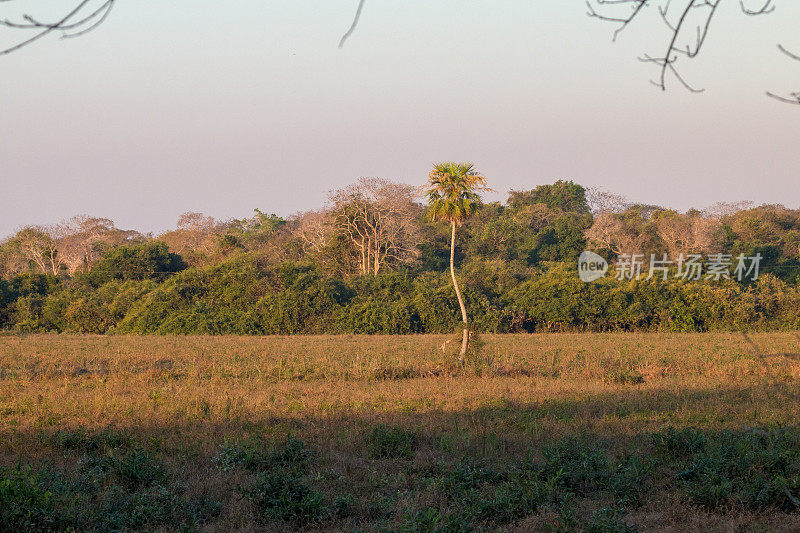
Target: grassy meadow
552, 432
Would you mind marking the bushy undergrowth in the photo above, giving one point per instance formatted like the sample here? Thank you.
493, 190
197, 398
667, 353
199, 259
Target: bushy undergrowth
123, 486
254, 455
110, 489
25, 504
755, 470
279, 490
241, 296
282, 494
391, 442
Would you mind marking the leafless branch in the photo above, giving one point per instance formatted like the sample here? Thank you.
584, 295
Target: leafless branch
624, 21
793, 98
694, 17
354, 24
765, 8
679, 27
83, 18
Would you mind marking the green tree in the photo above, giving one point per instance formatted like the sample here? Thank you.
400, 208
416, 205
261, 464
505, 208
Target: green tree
560, 196
452, 192
150, 260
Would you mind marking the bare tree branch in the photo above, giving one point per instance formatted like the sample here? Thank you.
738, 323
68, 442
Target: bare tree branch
82, 19
793, 98
680, 27
694, 17
354, 24
767, 7
87, 15
641, 4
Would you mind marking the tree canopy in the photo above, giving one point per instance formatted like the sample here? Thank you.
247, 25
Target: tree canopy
516, 262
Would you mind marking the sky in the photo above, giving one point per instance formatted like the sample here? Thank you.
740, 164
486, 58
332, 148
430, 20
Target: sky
221, 108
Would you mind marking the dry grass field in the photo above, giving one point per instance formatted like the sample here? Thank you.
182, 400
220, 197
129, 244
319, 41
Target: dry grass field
558, 432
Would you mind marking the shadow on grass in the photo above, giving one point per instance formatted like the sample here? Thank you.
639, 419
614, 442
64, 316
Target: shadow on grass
758, 352
590, 463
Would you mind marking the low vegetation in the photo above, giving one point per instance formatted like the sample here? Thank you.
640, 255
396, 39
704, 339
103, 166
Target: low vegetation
560, 432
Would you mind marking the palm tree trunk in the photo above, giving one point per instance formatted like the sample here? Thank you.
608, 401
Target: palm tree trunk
465, 339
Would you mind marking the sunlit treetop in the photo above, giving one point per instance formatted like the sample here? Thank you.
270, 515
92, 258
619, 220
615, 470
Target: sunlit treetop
453, 191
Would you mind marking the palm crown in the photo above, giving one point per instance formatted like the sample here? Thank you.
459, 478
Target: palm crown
452, 191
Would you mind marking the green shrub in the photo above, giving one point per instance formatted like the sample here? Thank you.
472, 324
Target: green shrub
149, 260
514, 499
391, 442
608, 520
145, 508
245, 454
282, 495
25, 505
466, 477
252, 455
105, 493
581, 466
420, 521
140, 468
631, 479
753, 470
673, 444
144, 289
344, 506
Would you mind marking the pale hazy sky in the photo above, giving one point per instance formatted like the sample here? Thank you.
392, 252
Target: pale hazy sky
222, 107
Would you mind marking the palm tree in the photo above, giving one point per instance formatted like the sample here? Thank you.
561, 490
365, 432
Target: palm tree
452, 194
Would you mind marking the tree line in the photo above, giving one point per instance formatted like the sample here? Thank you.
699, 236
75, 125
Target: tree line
377, 260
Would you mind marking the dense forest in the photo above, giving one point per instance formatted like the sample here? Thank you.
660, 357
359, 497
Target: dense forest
374, 261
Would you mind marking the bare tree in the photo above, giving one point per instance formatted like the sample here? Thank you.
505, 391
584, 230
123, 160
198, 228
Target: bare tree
687, 22
687, 233
535, 216
630, 232
706, 233
602, 201
314, 230
72, 251
37, 245
82, 239
315, 235
379, 218
675, 230
724, 209
608, 231
195, 236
